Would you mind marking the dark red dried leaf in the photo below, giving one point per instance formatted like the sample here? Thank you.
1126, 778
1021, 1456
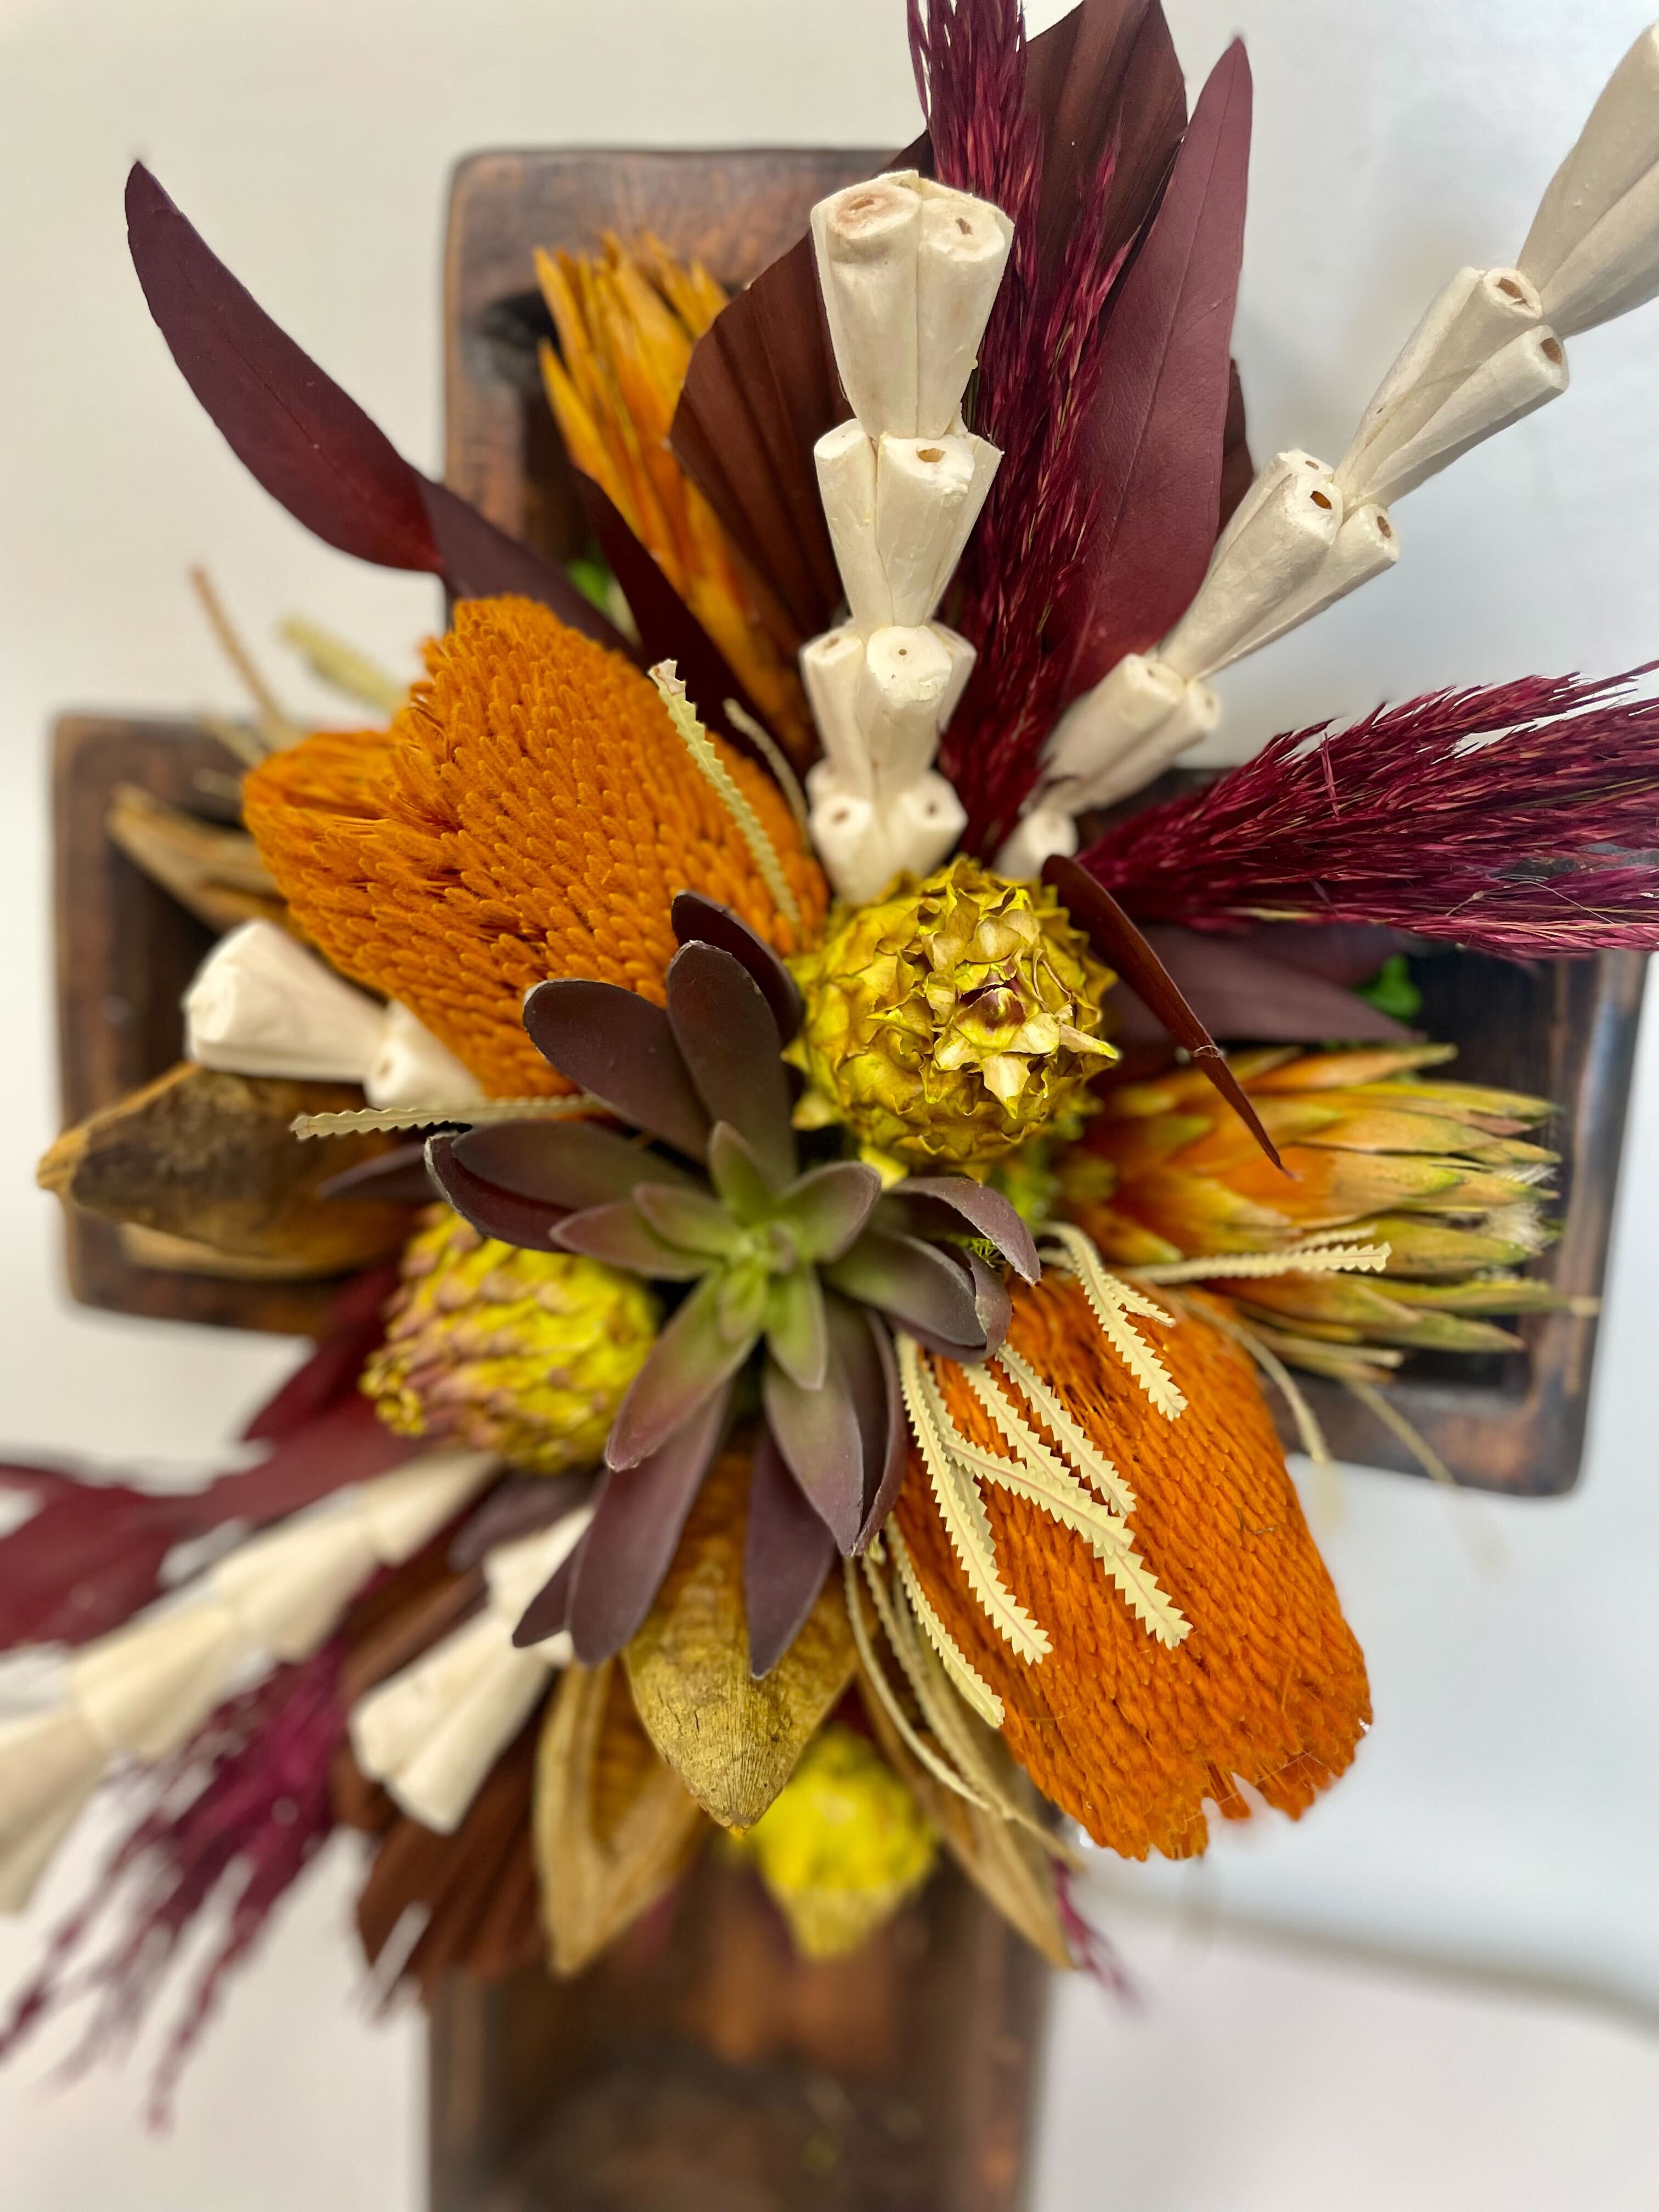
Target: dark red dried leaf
1154, 440
480, 561
1248, 998
1119, 943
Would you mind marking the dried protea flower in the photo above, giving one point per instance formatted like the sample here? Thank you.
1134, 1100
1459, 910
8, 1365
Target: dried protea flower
528, 1354
952, 1020
1443, 1173
1136, 1605
841, 1846
627, 319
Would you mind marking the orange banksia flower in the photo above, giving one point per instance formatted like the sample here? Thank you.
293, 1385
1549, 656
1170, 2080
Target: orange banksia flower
1213, 1648
531, 812
627, 318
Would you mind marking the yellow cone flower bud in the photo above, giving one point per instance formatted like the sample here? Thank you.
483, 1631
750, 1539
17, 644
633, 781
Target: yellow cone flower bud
841, 1846
952, 1020
524, 1354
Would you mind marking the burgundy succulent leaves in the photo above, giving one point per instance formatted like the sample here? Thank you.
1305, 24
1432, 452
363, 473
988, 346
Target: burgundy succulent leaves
800, 1269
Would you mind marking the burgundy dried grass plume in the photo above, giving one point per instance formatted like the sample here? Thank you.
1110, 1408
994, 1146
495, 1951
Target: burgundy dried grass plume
1517, 818
233, 1820
1039, 367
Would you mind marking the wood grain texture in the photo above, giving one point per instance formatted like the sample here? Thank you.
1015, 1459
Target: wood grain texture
734, 211
701, 2067
124, 952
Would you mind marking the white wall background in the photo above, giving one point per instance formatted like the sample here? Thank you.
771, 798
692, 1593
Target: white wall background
1504, 1817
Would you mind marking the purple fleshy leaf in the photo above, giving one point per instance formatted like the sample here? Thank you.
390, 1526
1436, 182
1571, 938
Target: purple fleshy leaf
621, 1235
738, 1177
991, 1302
818, 1432
825, 1210
620, 1049
728, 1039
797, 1330
399, 1177
987, 1212
518, 1506
700, 921
548, 1612
564, 1164
686, 1366
691, 1220
787, 1555
638, 1518
896, 1452
493, 1211
922, 1289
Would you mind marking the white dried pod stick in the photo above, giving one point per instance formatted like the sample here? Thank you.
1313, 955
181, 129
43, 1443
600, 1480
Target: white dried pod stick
961, 658
1285, 539
1366, 544
405, 1509
928, 820
49, 1763
901, 688
145, 1689
1047, 830
1615, 268
1477, 313
1107, 721
829, 668
1293, 462
1517, 380
845, 459
1579, 219
929, 492
961, 254
1194, 717
261, 1005
432, 1732
288, 1589
866, 239
411, 1068
851, 839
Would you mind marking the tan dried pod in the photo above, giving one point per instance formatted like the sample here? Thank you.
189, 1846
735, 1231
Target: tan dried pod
613, 1826
733, 1742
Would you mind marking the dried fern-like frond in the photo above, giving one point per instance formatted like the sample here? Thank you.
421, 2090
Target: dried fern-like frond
1112, 1301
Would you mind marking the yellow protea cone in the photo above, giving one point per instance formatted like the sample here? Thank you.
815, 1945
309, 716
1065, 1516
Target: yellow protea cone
627, 320
1445, 1174
951, 1021
841, 1846
528, 1354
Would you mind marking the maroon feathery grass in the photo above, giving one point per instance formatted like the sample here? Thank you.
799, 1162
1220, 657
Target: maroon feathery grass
241, 1811
1517, 818
1038, 373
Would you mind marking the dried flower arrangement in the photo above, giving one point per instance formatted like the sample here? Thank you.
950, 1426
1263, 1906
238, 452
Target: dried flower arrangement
800, 1364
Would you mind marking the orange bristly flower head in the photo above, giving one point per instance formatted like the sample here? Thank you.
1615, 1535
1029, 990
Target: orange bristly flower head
1125, 1731
531, 812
